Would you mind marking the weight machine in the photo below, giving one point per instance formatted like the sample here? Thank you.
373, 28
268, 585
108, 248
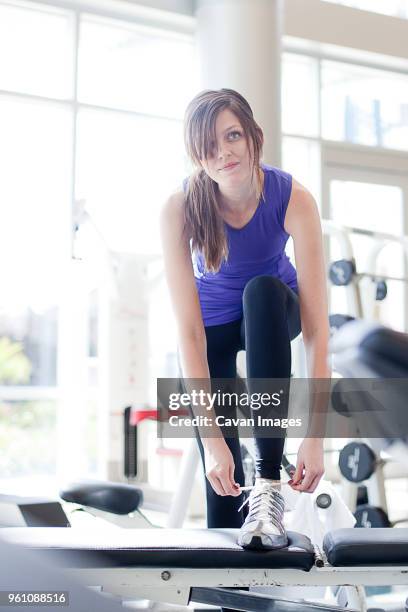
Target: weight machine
358, 462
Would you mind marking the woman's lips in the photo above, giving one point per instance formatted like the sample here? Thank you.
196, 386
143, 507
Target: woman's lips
230, 166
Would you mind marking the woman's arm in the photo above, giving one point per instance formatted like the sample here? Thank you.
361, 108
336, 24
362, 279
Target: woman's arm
180, 280
302, 222
219, 463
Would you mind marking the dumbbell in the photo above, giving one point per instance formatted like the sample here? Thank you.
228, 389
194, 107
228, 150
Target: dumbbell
371, 516
357, 462
342, 272
338, 320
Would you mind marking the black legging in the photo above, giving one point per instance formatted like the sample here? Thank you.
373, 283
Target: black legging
270, 321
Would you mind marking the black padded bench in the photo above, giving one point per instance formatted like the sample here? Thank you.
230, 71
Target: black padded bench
207, 566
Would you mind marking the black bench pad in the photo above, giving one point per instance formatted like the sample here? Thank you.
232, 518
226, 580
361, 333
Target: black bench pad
116, 497
198, 548
379, 546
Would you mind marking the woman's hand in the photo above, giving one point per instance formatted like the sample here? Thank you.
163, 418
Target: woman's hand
219, 467
309, 465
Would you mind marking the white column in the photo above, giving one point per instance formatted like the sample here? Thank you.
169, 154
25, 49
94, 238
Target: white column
239, 47
73, 404
123, 346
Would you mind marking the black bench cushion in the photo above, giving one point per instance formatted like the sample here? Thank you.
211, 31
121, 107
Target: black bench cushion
379, 546
391, 346
115, 497
200, 548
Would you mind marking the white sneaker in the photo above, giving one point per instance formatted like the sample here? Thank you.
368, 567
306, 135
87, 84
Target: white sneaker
263, 527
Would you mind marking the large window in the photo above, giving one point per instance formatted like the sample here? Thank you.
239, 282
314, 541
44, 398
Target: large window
36, 47
130, 67
90, 109
344, 102
364, 106
300, 95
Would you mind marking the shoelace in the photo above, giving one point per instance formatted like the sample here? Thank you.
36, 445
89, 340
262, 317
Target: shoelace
276, 486
267, 504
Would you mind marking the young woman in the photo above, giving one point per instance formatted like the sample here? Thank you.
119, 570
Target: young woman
233, 287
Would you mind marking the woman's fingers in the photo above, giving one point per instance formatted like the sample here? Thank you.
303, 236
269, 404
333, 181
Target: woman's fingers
309, 482
220, 468
314, 484
228, 484
216, 484
235, 486
222, 484
298, 475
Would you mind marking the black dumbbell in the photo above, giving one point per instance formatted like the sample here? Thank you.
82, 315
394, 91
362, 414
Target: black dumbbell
338, 320
381, 290
357, 462
371, 516
341, 272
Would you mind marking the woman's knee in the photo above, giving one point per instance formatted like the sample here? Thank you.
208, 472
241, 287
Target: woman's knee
263, 287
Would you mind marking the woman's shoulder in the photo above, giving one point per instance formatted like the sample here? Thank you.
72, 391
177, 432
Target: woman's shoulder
172, 215
277, 184
174, 205
276, 173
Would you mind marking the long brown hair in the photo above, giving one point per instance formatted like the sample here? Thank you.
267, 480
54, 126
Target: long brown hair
202, 216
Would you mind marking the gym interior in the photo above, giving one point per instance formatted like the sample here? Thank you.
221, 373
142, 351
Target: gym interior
92, 98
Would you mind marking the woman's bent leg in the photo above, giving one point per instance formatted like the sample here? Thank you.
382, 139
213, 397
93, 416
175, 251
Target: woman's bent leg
271, 321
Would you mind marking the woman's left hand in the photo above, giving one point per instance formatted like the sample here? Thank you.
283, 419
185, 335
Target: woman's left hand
309, 466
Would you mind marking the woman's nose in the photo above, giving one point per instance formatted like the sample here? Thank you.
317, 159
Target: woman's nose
223, 150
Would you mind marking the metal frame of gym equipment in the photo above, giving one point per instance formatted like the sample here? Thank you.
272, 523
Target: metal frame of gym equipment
380, 240
364, 308
209, 586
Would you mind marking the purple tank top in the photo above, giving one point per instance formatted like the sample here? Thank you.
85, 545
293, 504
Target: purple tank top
257, 248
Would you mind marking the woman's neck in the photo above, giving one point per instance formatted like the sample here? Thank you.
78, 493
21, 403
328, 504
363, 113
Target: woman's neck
240, 199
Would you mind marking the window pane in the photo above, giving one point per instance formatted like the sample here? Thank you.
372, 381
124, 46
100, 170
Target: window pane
28, 348
301, 158
27, 438
364, 106
127, 167
300, 112
130, 67
34, 227
38, 44
362, 205
396, 8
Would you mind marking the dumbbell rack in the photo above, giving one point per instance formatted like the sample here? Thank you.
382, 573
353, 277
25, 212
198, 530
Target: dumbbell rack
359, 464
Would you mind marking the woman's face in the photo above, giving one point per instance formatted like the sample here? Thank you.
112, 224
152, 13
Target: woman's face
229, 164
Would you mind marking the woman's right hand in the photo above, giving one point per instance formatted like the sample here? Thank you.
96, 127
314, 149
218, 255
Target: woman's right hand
219, 467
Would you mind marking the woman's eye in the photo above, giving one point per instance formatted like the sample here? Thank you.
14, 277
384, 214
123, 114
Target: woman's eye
234, 135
